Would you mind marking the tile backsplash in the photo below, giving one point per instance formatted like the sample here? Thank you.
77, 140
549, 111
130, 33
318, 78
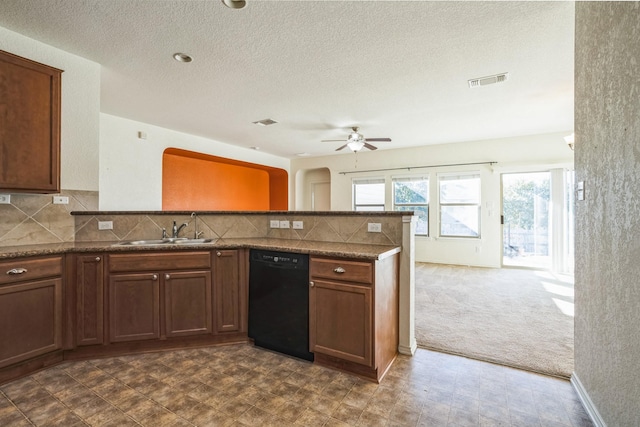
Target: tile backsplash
322, 228
34, 218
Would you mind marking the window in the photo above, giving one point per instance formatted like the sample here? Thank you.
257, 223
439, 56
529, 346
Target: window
412, 194
368, 194
459, 205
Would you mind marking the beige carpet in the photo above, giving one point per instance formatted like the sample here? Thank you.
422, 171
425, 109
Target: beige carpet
515, 317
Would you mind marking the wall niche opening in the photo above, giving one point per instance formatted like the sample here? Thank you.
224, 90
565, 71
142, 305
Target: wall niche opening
197, 181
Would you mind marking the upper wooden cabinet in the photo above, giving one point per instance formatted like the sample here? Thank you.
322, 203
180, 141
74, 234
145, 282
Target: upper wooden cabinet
29, 125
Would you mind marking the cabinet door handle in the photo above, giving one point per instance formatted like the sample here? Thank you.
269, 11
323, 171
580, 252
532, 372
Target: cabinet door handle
17, 271
339, 270
97, 259
155, 277
219, 253
311, 284
167, 276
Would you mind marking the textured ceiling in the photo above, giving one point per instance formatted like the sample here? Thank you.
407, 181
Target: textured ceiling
396, 69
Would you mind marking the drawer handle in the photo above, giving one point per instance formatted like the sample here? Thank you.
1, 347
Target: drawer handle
17, 271
155, 277
339, 270
167, 276
219, 253
97, 259
312, 284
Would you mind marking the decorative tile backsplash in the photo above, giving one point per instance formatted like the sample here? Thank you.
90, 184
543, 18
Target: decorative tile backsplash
322, 228
34, 218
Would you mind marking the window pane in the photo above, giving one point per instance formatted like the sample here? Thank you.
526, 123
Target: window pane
406, 192
369, 194
422, 226
461, 189
463, 221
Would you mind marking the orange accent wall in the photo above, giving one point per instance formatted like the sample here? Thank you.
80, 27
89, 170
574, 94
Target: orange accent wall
196, 181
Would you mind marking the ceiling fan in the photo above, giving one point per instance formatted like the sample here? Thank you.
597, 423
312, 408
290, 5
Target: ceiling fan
356, 141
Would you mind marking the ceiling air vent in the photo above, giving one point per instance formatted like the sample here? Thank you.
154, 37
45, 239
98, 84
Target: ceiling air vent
265, 122
488, 80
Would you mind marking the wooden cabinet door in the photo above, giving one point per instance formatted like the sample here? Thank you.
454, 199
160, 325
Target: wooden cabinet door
134, 307
29, 125
229, 302
89, 299
340, 321
30, 320
187, 303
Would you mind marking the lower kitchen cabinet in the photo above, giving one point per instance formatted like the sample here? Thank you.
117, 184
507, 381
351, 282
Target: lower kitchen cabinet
171, 299
30, 309
187, 302
89, 293
353, 314
134, 307
230, 294
341, 321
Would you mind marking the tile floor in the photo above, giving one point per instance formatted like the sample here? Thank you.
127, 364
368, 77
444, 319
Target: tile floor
242, 385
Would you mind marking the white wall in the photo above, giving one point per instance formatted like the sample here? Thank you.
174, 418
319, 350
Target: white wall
131, 168
80, 108
536, 152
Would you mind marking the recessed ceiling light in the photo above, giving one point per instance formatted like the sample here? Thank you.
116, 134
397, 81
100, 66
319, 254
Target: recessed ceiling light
265, 122
182, 57
255, 148
234, 4
303, 154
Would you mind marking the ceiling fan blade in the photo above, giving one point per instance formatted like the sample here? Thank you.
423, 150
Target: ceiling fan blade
378, 139
338, 149
370, 147
332, 140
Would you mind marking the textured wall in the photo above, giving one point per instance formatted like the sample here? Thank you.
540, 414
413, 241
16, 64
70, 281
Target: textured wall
607, 279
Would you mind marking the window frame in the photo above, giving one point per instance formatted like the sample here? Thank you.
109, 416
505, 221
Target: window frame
478, 204
364, 181
413, 178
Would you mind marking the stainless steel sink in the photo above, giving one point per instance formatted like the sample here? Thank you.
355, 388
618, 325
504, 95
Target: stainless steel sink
194, 241
164, 242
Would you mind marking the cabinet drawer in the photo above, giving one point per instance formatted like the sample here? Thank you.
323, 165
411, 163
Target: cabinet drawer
19, 270
159, 261
351, 271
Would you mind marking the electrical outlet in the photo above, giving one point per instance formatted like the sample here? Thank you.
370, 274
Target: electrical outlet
60, 200
274, 223
284, 224
298, 225
105, 225
5, 199
374, 227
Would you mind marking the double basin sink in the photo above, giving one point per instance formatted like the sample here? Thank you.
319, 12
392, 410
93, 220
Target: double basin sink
181, 241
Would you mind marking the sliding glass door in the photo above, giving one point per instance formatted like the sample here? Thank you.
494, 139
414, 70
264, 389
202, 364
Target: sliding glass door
526, 219
537, 229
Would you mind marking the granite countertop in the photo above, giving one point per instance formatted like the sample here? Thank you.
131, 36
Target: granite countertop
344, 250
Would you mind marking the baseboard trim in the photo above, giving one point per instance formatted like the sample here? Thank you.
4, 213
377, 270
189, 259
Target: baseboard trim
591, 409
408, 350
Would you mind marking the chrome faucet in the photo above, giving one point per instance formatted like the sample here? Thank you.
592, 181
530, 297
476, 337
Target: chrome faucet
176, 230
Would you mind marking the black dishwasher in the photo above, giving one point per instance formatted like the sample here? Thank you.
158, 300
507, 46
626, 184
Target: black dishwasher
279, 302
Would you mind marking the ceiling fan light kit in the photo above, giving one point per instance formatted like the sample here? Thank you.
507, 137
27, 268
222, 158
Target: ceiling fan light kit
356, 141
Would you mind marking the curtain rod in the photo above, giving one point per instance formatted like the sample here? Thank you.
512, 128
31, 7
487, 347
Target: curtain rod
408, 168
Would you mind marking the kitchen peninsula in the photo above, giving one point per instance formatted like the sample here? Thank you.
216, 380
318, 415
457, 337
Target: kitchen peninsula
96, 296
